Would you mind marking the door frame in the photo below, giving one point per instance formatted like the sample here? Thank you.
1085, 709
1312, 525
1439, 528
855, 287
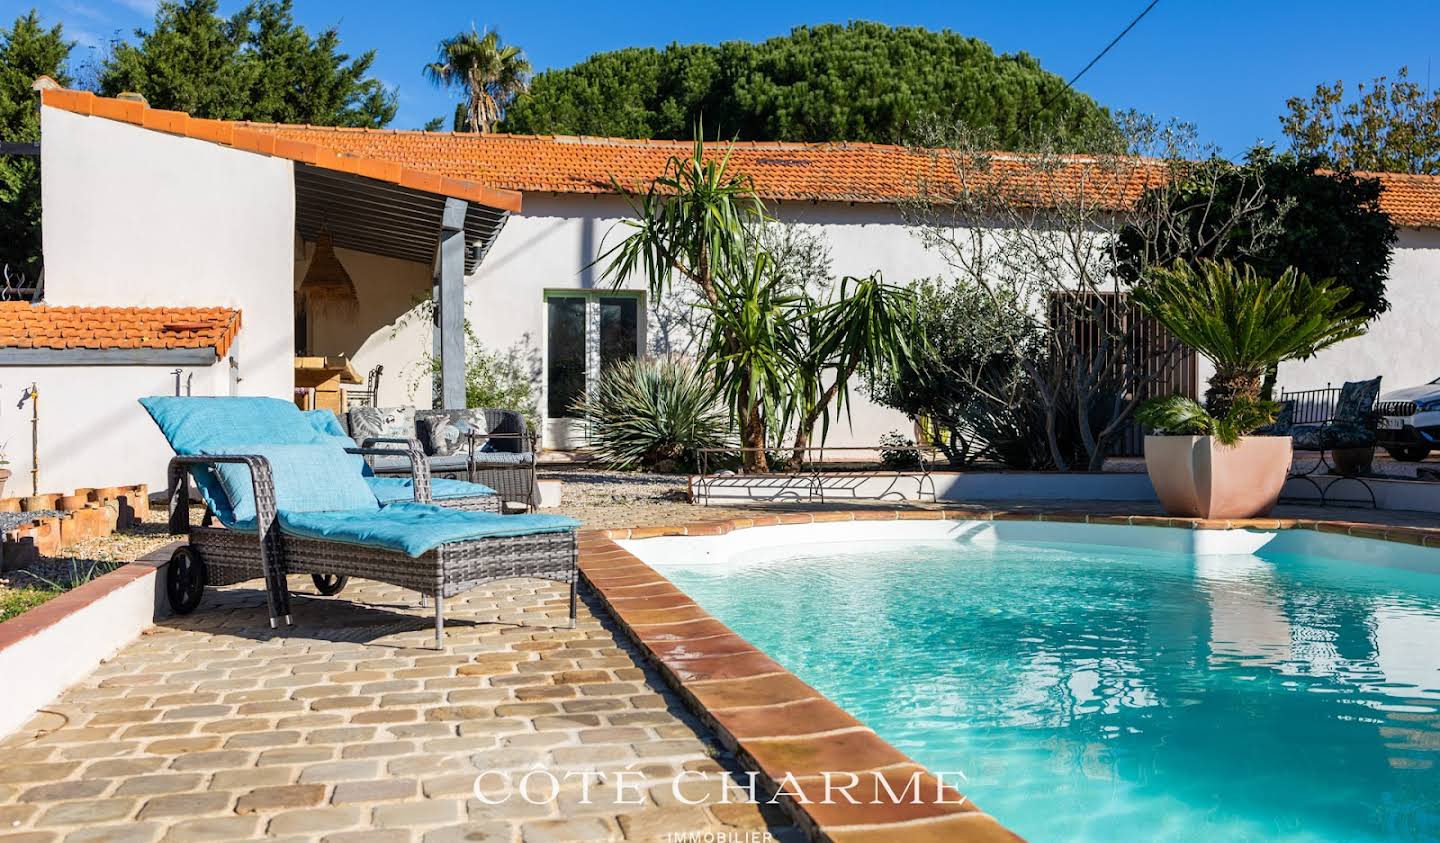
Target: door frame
565, 433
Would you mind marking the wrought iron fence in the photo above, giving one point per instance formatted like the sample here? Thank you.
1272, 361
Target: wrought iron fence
15, 285
815, 480
1313, 406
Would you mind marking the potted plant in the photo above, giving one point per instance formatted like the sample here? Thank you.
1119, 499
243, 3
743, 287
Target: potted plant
1204, 460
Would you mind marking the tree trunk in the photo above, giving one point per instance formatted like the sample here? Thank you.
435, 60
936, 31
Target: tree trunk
752, 432
807, 425
1227, 384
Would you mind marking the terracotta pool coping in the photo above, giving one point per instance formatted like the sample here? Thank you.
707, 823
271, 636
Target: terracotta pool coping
778, 725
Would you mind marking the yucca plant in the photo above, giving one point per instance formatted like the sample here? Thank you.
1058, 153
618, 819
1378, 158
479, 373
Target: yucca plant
1245, 322
647, 412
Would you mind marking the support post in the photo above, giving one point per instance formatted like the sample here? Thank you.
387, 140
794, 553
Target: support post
450, 306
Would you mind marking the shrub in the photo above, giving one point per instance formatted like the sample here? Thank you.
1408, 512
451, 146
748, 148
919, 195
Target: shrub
896, 451
654, 413
494, 379
965, 383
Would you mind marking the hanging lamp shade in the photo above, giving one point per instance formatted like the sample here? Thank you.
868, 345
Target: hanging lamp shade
327, 287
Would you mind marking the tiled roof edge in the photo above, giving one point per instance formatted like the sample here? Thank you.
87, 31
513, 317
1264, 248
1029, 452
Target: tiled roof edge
240, 136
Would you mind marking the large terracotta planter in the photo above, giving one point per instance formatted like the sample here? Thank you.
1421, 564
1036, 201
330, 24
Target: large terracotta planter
1197, 477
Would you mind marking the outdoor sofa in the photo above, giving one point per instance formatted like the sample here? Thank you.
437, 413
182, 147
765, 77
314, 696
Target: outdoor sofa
413, 484
293, 500
494, 447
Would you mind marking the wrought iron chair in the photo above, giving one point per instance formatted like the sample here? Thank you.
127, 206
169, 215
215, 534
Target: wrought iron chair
365, 397
1348, 425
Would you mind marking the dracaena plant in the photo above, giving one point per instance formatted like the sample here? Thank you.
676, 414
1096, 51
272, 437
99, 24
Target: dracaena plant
1244, 322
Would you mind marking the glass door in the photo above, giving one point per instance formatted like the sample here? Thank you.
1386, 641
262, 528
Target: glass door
586, 332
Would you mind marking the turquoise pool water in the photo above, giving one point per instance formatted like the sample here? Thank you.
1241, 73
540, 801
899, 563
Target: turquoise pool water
1096, 694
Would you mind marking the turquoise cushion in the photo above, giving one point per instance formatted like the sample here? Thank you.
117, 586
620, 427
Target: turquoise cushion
415, 528
396, 489
325, 422
308, 478
223, 425
226, 425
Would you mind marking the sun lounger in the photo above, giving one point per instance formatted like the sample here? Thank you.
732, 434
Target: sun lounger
290, 499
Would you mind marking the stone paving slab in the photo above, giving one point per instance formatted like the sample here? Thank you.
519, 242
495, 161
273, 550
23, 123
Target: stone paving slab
350, 728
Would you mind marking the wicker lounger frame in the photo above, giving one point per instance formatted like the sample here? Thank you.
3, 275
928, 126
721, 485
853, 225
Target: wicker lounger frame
231, 556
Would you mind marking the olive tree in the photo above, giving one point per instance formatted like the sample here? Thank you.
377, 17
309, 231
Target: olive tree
1039, 232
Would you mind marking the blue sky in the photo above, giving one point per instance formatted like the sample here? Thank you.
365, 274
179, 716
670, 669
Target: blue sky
1226, 65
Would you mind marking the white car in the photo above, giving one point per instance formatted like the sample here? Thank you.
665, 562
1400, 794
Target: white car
1410, 421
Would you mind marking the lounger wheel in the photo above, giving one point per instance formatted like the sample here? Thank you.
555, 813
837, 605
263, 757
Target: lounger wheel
185, 580
329, 584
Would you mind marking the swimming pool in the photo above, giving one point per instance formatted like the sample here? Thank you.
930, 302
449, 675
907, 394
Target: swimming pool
1112, 683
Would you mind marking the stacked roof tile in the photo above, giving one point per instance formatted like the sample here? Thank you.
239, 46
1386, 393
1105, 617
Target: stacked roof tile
25, 325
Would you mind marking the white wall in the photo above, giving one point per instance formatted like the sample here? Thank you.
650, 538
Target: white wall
134, 217
1403, 345
92, 431
551, 245
389, 328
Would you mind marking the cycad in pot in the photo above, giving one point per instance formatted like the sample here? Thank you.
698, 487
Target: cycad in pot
1245, 322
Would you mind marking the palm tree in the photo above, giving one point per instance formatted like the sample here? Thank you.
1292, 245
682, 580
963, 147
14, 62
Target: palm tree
1244, 322
490, 73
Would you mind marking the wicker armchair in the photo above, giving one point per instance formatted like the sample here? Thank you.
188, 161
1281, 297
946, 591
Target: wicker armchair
490, 446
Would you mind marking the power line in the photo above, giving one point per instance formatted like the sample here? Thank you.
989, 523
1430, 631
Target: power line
1098, 56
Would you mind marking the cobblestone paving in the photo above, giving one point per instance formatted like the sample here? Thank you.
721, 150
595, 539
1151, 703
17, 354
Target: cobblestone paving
350, 728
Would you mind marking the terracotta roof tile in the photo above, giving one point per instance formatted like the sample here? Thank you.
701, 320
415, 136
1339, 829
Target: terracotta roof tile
25, 325
838, 172
1411, 201
248, 137
495, 169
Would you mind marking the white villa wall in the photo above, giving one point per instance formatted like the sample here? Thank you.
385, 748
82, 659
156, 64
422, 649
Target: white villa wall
550, 247
137, 217
1403, 345
134, 217
92, 431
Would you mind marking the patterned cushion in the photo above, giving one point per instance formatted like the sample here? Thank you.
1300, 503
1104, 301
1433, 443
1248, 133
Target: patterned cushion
446, 432
1284, 421
1316, 437
1357, 399
389, 422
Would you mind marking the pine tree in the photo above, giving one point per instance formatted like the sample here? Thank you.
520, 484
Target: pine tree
27, 50
257, 64
859, 82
